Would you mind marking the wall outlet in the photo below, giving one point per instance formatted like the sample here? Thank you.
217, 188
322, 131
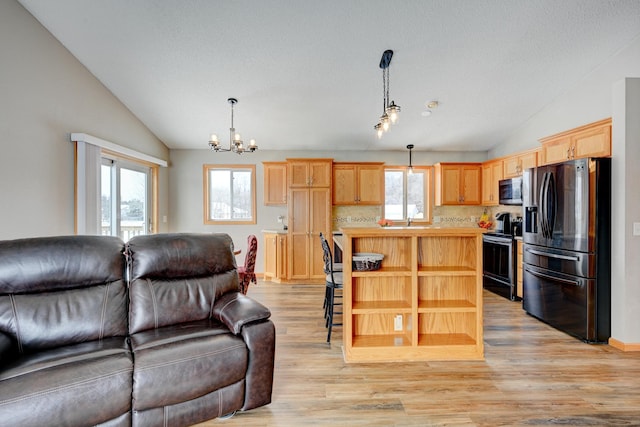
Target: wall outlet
636, 228
348, 219
397, 323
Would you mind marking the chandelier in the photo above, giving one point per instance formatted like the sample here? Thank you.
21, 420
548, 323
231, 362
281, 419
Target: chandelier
390, 110
235, 143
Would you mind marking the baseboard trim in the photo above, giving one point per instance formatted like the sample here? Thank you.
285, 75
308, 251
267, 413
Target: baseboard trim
624, 346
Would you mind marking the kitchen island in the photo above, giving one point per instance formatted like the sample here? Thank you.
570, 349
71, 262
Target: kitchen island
423, 303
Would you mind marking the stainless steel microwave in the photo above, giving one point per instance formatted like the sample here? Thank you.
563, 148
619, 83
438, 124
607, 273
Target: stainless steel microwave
510, 191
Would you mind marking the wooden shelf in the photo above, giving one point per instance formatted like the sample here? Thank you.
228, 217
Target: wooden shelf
424, 303
445, 340
396, 340
399, 307
445, 305
446, 271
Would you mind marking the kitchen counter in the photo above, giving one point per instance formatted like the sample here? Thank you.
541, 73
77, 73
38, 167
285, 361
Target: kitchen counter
274, 231
425, 300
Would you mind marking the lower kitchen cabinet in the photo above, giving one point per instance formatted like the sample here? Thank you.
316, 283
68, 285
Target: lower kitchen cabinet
275, 256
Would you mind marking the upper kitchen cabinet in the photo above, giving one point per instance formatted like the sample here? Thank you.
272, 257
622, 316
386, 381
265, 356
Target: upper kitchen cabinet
358, 183
458, 183
515, 165
491, 175
592, 140
275, 183
309, 172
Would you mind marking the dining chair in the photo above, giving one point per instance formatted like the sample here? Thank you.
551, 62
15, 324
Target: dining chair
246, 273
333, 282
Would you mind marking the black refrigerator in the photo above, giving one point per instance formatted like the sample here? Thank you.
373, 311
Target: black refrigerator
567, 247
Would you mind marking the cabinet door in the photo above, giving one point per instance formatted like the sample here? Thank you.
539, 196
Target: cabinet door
344, 185
528, 160
491, 175
451, 182
298, 173
370, 179
512, 167
319, 222
275, 183
557, 151
281, 270
298, 236
592, 143
471, 185
270, 256
320, 173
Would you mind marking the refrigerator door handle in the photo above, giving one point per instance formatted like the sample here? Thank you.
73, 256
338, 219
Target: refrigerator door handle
550, 255
553, 278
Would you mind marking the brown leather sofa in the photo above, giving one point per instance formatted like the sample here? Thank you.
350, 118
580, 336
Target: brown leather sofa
151, 333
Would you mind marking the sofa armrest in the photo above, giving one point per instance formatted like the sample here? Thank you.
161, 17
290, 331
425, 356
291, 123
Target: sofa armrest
236, 310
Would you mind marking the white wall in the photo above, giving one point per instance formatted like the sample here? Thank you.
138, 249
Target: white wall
625, 250
45, 95
606, 92
186, 185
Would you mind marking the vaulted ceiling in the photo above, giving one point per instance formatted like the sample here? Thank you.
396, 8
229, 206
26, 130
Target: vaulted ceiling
306, 73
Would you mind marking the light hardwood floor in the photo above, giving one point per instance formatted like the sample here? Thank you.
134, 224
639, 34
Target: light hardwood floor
532, 375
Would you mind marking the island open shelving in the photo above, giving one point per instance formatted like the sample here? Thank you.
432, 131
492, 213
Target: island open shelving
425, 301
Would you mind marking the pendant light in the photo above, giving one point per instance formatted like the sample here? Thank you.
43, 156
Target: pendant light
390, 110
410, 168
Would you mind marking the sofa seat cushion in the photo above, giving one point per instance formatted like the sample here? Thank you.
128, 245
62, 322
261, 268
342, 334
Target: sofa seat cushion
183, 362
38, 389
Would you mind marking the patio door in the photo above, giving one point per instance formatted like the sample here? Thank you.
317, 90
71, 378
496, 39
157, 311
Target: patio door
125, 198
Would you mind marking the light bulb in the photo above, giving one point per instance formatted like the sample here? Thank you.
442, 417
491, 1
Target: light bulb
214, 138
236, 137
252, 143
384, 120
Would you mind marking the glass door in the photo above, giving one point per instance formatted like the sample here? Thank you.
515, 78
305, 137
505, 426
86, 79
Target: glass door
125, 201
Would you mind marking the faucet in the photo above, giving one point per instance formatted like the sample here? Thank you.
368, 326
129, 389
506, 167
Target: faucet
409, 222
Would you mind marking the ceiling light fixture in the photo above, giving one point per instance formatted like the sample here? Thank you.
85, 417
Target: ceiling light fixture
390, 110
410, 169
235, 143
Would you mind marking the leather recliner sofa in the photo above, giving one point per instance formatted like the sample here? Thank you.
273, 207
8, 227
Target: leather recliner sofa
151, 333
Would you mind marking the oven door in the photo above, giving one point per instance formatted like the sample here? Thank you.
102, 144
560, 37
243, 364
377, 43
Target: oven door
498, 265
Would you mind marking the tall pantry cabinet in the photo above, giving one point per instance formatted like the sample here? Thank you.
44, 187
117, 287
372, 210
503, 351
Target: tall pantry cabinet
309, 205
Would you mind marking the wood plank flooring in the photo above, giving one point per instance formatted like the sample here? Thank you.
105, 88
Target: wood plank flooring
532, 375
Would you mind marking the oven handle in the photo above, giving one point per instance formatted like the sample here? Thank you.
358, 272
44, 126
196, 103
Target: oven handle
552, 278
498, 240
556, 256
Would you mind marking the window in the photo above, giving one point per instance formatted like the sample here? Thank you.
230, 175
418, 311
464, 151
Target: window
407, 194
229, 194
125, 198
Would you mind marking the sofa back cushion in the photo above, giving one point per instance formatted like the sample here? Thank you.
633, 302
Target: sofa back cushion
176, 277
62, 290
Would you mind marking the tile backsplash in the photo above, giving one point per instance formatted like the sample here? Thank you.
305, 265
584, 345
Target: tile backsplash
443, 216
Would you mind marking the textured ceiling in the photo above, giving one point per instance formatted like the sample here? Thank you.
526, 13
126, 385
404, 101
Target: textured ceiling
306, 72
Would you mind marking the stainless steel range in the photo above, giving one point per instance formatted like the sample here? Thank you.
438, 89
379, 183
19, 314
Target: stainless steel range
499, 264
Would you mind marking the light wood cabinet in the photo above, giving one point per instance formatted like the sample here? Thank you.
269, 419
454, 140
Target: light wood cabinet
424, 303
309, 172
592, 140
519, 268
309, 211
275, 257
516, 165
458, 184
491, 175
358, 183
275, 183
